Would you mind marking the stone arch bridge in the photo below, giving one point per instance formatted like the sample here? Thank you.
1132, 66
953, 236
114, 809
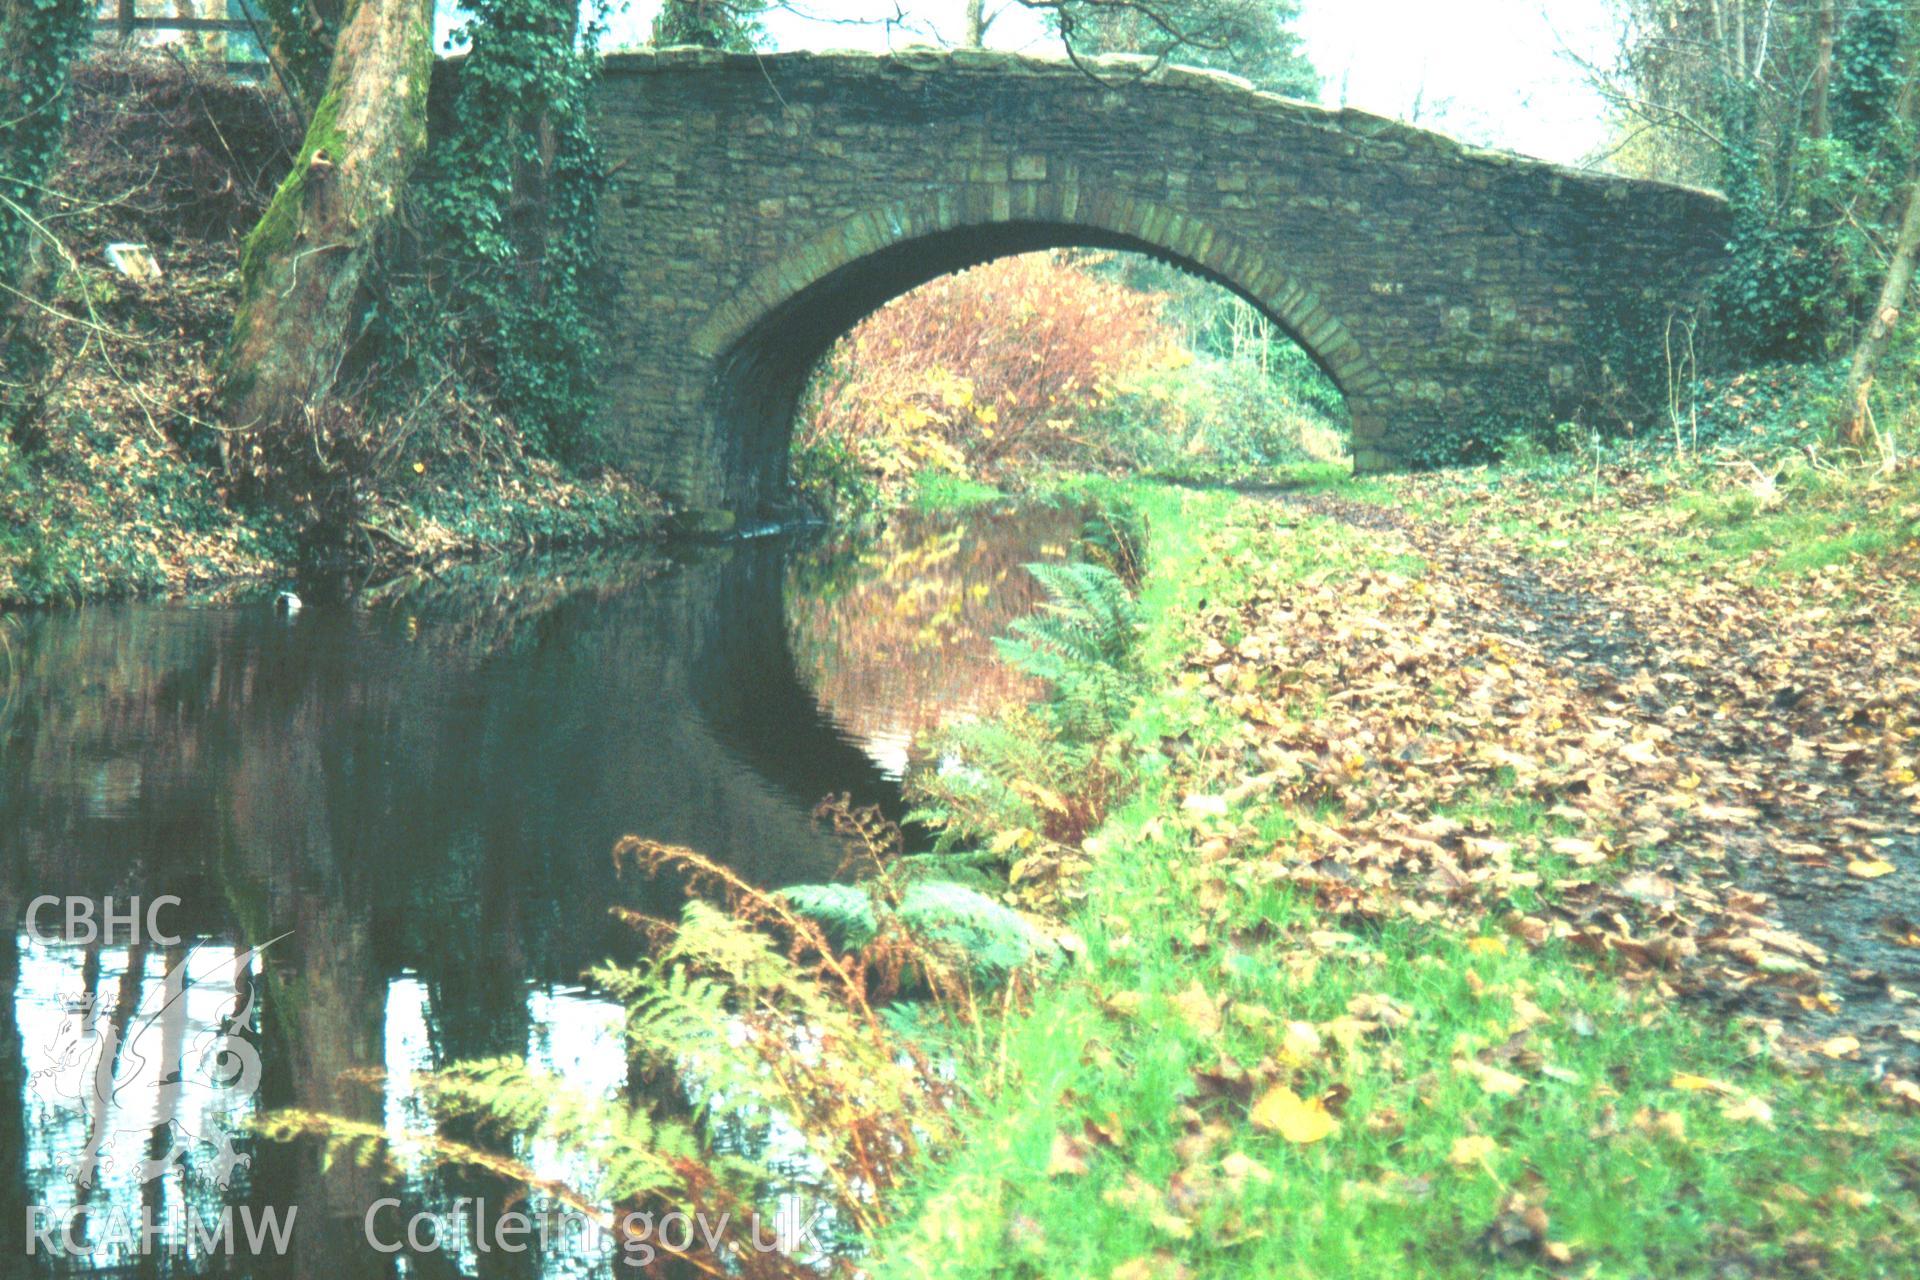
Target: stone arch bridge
761, 205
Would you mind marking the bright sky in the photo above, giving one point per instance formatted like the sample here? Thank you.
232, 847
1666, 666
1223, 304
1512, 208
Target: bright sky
1489, 71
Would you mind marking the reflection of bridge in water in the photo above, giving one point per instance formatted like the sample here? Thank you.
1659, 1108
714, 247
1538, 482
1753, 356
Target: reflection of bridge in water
423, 799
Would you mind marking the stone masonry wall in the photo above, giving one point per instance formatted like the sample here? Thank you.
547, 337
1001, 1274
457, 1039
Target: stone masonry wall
760, 205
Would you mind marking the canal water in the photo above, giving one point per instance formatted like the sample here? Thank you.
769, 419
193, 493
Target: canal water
387, 823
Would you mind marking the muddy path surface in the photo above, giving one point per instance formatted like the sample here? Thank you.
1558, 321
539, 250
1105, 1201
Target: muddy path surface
1769, 704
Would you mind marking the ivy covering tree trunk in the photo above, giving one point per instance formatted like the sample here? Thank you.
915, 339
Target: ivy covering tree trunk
508, 202
38, 42
302, 266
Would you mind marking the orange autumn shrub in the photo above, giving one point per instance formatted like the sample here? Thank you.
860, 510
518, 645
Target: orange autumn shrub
982, 371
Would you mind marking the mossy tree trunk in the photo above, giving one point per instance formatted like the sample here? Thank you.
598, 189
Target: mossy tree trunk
1855, 413
1878, 335
302, 267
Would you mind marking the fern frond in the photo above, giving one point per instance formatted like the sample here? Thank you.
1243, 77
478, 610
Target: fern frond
1083, 643
845, 911
364, 1142
983, 936
994, 939
628, 1153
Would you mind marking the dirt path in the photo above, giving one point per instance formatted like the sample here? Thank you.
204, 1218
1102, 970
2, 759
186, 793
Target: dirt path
1767, 702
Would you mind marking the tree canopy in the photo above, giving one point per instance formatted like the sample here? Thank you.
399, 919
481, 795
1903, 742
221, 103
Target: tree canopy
712, 24
1251, 38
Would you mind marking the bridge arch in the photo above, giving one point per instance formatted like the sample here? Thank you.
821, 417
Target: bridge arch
769, 336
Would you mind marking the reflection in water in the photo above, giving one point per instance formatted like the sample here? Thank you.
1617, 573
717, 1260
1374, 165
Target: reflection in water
896, 635
415, 801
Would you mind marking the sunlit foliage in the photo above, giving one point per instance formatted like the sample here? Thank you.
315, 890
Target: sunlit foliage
984, 371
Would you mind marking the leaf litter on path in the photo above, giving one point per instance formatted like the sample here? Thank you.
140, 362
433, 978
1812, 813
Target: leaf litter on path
1724, 771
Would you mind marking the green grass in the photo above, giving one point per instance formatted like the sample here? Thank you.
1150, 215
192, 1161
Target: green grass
1829, 1189
941, 491
1797, 537
1682, 519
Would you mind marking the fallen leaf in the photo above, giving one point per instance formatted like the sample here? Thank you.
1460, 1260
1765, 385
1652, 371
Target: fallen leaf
1158, 1265
1301, 1120
1205, 806
1250, 1015
1870, 868
1241, 1168
1067, 1158
1520, 1229
1348, 1032
1301, 1043
1494, 1080
1137, 1195
1904, 1092
1699, 1084
1751, 1109
1584, 852
1198, 1010
1471, 1151
1662, 1124
1109, 1135
1838, 1047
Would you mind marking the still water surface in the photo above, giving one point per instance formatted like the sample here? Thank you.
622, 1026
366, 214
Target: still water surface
388, 823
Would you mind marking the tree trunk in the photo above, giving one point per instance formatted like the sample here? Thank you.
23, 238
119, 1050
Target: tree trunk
1886, 317
975, 35
1855, 410
302, 265
1819, 91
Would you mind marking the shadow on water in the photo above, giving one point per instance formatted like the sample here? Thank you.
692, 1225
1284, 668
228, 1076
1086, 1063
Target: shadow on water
414, 800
